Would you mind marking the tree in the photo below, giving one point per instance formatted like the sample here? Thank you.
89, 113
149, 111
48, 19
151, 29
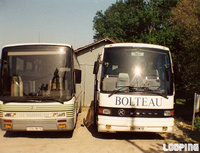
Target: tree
119, 22
136, 21
186, 21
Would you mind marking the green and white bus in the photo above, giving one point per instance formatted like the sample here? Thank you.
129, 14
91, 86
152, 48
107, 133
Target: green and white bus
134, 88
40, 87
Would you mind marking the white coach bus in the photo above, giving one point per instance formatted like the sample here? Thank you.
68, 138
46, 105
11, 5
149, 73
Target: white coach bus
134, 88
39, 87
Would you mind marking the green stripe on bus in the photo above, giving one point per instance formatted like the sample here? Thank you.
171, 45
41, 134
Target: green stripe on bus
64, 107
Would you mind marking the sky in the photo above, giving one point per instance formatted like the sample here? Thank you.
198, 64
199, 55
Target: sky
49, 21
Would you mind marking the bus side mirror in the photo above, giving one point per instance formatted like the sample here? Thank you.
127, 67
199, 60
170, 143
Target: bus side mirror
96, 67
77, 76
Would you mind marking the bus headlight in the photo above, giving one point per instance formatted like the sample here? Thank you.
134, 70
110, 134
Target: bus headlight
58, 114
9, 114
105, 111
61, 114
169, 113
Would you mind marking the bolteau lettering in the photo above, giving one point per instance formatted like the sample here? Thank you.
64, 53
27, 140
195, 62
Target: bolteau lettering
138, 101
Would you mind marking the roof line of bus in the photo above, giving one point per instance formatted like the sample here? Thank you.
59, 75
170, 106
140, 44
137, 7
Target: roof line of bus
143, 45
28, 44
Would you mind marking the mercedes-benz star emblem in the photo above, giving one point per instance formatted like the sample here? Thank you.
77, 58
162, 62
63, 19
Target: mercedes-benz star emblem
121, 112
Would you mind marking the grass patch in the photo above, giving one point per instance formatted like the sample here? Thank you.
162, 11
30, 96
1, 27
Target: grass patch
183, 109
180, 101
197, 123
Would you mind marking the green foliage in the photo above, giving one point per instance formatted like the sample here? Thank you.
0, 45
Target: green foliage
136, 21
197, 123
186, 20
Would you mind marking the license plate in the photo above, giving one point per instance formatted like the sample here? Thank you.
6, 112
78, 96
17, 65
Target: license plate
34, 128
137, 128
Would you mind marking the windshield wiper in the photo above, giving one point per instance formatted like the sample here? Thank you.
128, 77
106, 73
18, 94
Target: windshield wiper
44, 99
147, 89
131, 89
117, 90
156, 93
31, 99
7, 99
138, 89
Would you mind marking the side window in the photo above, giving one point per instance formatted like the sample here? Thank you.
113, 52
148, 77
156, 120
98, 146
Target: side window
4, 68
29, 66
20, 65
5, 79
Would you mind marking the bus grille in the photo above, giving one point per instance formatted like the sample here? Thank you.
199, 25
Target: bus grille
1, 114
37, 111
39, 114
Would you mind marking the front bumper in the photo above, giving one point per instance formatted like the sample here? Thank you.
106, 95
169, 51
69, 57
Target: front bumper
66, 124
128, 124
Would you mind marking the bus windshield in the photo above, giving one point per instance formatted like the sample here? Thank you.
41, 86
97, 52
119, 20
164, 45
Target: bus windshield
144, 70
36, 72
